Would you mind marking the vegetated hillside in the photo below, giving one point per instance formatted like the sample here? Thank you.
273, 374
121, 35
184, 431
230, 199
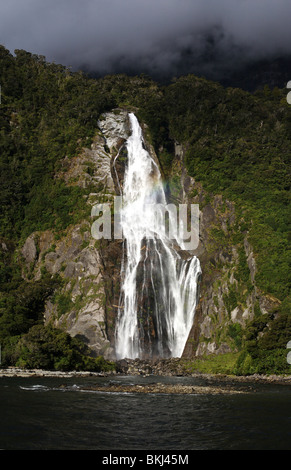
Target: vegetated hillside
236, 145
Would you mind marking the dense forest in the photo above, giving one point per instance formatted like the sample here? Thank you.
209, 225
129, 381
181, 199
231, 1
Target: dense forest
238, 144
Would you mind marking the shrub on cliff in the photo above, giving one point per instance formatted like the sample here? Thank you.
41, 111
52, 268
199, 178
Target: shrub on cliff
45, 347
264, 350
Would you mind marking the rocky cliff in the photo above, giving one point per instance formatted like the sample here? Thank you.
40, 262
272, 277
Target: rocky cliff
229, 296
86, 303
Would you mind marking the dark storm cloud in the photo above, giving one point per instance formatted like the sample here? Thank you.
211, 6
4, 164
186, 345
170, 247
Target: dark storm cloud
148, 35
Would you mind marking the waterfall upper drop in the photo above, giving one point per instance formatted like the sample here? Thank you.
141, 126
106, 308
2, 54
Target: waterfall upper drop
158, 287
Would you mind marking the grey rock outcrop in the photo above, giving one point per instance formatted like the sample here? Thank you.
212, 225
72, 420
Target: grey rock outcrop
224, 299
80, 306
29, 250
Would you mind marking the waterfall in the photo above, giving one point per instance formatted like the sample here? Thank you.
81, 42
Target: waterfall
158, 285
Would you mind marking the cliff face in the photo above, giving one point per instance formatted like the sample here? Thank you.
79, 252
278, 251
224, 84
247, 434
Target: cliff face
229, 296
236, 146
86, 304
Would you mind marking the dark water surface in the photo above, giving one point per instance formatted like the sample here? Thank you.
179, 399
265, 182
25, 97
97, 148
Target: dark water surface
56, 414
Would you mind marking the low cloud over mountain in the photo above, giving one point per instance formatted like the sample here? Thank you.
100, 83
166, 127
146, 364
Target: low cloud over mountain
163, 38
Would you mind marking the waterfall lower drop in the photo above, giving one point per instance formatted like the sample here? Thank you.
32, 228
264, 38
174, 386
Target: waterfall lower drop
158, 287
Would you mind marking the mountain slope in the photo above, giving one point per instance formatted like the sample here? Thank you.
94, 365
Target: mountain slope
223, 148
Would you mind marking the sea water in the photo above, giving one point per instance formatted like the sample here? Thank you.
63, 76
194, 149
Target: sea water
59, 414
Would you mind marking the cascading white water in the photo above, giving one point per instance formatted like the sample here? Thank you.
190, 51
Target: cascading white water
159, 288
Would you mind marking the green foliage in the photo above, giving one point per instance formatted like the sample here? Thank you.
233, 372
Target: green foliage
230, 300
213, 364
54, 205
22, 306
64, 303
46, 113
235, 332
267, 363
52, 349
237, 144
244, 364
265, 344
242, 272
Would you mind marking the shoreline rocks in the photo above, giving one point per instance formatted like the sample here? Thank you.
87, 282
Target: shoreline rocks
175, 367
17, 372
159, 388
146, 369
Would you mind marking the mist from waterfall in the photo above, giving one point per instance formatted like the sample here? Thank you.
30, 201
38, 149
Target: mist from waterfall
158, 284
